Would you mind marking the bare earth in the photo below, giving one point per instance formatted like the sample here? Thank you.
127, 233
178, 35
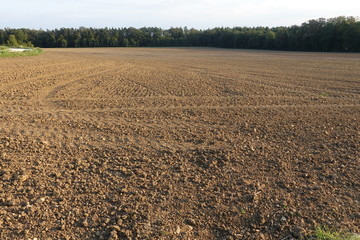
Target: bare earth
178, 144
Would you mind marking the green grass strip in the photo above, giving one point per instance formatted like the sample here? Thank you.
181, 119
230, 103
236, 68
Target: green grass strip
326, 234
4, 52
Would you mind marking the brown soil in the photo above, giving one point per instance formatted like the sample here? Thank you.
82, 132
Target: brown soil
178, 144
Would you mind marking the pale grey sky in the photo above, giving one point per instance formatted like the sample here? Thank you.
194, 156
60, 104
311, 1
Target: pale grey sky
200, 14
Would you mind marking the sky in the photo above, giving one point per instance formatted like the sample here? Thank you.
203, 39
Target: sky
199, 14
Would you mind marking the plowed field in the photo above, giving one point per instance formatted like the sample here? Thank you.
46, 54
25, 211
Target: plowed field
178, 144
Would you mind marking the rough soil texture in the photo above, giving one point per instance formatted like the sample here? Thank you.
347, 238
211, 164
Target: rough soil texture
178, 144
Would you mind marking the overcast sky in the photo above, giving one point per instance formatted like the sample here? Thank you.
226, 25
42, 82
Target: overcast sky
200, 14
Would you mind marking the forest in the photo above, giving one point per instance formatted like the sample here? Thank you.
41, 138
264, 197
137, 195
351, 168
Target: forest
339, 34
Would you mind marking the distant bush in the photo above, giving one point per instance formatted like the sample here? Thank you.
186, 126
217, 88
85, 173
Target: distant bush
12, 42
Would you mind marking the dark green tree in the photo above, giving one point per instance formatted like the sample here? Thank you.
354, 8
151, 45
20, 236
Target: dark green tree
334, 34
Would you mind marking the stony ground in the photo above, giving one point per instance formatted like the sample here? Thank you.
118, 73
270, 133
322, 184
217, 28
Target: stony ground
178, 144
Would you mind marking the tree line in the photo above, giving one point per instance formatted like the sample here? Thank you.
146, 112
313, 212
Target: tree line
335, 34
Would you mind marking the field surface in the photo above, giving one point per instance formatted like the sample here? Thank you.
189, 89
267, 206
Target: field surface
174, 143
